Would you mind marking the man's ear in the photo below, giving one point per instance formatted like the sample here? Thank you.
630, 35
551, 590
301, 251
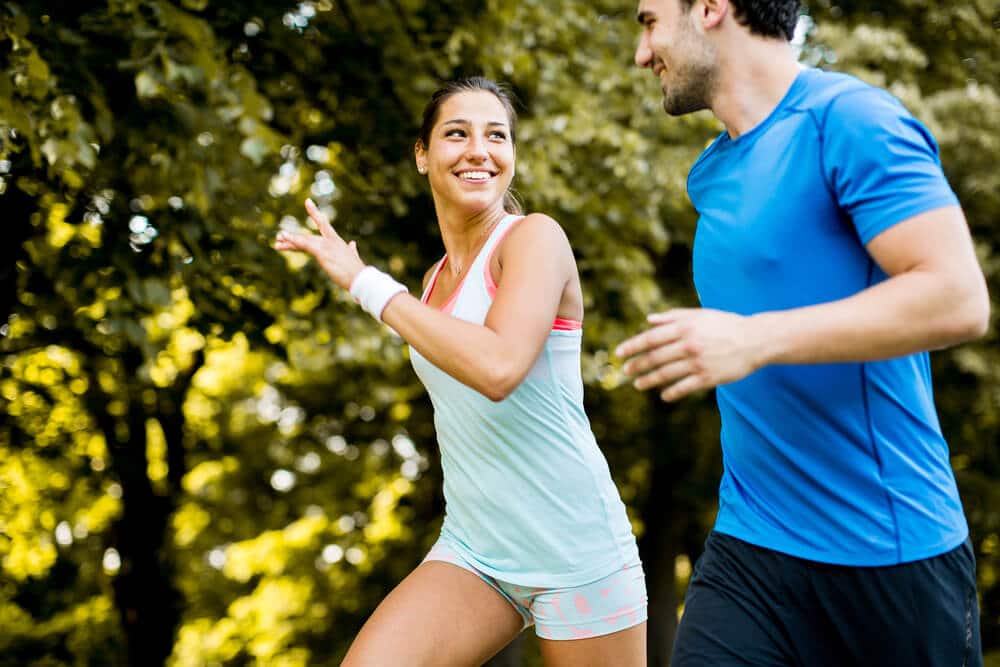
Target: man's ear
711, 13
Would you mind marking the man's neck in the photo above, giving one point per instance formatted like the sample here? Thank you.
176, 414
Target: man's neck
753, 79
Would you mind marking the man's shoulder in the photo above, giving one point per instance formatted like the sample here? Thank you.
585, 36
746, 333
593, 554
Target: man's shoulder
838, 98
823, 89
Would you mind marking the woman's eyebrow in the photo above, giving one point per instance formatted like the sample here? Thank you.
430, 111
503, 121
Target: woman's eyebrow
462, 121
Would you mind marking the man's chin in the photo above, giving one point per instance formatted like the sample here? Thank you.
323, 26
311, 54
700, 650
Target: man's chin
675, 107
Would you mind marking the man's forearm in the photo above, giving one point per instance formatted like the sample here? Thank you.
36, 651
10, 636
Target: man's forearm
908, 313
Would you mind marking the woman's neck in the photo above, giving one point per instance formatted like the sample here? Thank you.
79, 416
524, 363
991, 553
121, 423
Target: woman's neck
464, 236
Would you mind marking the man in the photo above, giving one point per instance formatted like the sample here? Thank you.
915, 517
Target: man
830, 255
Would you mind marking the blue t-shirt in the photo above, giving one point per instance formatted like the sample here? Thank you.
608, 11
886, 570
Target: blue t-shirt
839, 463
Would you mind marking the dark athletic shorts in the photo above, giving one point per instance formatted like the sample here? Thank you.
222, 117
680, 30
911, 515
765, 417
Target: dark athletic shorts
747, 605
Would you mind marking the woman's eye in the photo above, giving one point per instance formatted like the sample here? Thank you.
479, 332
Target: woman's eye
455, 133
497, 134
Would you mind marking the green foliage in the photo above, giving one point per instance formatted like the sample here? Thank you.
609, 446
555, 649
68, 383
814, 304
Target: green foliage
210, 456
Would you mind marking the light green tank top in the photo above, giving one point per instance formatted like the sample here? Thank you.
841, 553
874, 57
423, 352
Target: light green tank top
529, 497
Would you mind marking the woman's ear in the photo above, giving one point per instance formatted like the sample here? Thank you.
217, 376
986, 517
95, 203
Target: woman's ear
420, 156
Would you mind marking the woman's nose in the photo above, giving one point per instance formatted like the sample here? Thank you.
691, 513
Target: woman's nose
477, 149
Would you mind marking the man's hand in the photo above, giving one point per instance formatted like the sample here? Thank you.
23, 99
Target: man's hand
690, 349
338, 258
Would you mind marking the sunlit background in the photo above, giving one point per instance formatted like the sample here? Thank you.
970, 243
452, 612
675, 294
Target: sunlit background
208, 456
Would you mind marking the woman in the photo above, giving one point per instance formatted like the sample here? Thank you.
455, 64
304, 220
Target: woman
534, 532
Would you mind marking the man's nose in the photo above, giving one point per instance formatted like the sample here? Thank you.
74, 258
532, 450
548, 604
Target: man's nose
643, 54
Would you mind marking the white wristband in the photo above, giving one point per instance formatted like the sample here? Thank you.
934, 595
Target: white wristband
373, 290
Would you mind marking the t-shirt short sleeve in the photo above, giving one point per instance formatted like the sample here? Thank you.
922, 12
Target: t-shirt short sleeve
880, 162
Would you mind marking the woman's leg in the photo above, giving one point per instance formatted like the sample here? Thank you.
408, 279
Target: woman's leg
440, 615
600, 624
626, 648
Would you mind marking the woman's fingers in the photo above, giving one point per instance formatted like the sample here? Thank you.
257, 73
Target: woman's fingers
304, 242
328, 244
322, 222
337, 258
283, 242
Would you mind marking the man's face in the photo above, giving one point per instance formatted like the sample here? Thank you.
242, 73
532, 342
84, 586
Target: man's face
677, 53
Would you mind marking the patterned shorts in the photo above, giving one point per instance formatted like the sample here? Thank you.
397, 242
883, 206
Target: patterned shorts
611, 604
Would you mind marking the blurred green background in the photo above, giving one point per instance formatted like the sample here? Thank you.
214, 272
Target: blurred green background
208, 456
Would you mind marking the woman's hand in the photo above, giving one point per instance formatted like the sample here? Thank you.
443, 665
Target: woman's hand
338, 258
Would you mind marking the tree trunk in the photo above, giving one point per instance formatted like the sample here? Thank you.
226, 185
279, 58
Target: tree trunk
170, 406
658, 552
144, 592
17, 207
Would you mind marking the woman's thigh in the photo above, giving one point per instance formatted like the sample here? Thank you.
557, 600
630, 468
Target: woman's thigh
440, 615
626, 648
600, 624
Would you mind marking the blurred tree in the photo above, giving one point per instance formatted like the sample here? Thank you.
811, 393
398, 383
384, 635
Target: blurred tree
149, 152
134, 151
205, 452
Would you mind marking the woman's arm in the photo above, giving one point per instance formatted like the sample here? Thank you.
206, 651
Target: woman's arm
492, 358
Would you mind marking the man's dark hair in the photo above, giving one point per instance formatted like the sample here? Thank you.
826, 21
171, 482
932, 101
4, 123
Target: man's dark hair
767, 18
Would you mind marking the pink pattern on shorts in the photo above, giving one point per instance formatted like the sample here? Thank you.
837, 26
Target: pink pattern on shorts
566, 624
611, 604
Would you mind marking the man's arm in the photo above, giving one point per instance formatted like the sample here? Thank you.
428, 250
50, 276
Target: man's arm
935, 297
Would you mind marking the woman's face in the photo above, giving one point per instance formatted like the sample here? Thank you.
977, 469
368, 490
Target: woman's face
469, 159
